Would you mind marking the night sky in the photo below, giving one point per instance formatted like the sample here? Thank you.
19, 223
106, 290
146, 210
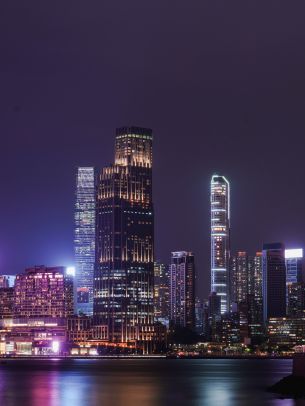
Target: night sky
221, 83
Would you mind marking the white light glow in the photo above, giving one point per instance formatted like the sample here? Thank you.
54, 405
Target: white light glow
55, 346
294, 253
70, 270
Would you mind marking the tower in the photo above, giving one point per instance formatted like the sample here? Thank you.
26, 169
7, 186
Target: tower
220, 239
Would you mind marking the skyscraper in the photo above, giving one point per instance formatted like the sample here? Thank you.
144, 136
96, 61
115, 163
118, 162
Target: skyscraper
220, 239
124, 274
161, 291
274, 281
294, 265
239, 277
182, 289
84, 241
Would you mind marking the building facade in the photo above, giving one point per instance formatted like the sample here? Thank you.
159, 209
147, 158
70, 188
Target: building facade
161, 291
124, 272
239, 277
274, 280
43, 292
220, 239
84, 238
182, 289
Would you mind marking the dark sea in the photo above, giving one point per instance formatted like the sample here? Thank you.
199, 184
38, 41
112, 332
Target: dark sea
129, 382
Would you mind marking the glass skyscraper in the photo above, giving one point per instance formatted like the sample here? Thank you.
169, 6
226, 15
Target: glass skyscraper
124, 274
274, 280
182, 289
220, 239
84, 239
294, 265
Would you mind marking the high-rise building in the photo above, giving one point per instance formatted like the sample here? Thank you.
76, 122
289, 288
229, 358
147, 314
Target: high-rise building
43, 292
124, 273
161, 291
294, 265
214, 317
220, 239
296, 299
182, 289
239, 277
84, 238
274, 280
255, 288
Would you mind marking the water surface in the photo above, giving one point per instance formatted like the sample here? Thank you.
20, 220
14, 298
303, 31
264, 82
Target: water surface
140, 382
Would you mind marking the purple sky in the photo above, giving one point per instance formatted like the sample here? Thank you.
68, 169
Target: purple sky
221, 83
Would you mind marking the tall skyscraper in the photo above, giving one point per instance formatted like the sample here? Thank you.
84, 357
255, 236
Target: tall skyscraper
84, 241
124, 274
220, 239
274, 281
182, 289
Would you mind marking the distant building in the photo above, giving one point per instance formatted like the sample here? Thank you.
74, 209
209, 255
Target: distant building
182, 289
286, 332
255, 288
84, 238
239, 277
220, 239
274, 281
161, 291
199, 315
6, 302
214, 317
7, 281
296, 299
294, 265
43, 292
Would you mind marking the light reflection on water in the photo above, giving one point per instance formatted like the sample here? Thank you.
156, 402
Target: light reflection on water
142, 382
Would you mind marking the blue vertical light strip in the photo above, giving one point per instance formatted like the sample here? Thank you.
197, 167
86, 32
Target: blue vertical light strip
84, 238
220, 238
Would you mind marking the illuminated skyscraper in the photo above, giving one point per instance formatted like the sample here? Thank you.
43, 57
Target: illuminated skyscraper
182, 289
124, 274
220, 239
239, 277
84, 241
294, 265
274, 281
161, 291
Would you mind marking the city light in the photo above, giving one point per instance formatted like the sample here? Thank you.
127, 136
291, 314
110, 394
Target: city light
294, 253
55, 346
70, 270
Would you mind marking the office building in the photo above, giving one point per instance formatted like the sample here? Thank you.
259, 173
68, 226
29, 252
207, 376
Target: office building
182, 289
84, 239
296, 299
161, 291
6, 303
124, 272
286, 332
220, 239
239, 277
43, 292
294, 265
274, 280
